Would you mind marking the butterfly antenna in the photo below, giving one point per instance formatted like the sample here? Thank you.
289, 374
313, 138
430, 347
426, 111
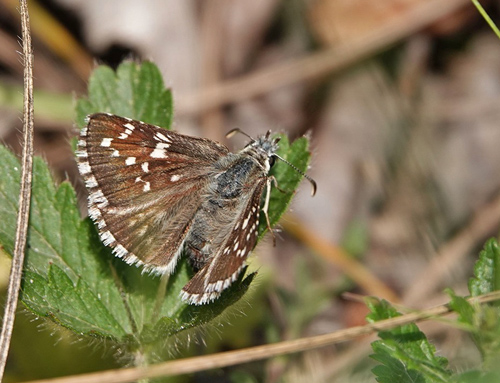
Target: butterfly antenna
232, 132
313, 183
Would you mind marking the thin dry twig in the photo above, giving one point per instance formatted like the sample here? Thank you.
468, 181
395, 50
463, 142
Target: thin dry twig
317, 64
231, 358
24, 194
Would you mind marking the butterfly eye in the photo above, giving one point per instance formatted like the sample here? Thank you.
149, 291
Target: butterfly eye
272, 161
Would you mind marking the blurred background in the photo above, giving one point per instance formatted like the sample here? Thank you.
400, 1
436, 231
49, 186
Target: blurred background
400, 101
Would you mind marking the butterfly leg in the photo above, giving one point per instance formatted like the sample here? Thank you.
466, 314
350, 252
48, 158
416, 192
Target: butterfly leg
275, 182
265, 208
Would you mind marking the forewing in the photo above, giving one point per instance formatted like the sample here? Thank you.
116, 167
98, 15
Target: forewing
145, 184
226, 265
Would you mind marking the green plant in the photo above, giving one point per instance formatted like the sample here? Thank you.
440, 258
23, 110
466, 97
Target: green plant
406, 355
72, 278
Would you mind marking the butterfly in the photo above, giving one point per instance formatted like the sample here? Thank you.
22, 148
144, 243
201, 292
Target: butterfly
156, 194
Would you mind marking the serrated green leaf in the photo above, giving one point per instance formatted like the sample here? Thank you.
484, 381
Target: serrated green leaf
482, 320
482, 323
486, 270
70, 276
134, 90
391, 369
404, 352
462, 307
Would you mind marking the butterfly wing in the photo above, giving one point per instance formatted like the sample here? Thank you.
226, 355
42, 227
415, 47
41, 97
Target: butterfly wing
145, 185
226, 265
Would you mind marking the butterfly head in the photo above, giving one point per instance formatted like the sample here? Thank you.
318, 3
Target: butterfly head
264, 148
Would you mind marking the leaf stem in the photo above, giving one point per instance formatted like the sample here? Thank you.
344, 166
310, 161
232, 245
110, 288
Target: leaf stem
123, 295
160, 297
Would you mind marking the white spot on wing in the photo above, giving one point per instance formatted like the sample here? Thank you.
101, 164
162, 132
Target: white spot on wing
145, 167
211, 291
120, 251
129, 126
245, 222
91, 182
130, 161
163, 137
175, 178
107, 238
147, 184
95, 214
84, 167
97, 198
159, 151
81, 153
115, 153
106, 142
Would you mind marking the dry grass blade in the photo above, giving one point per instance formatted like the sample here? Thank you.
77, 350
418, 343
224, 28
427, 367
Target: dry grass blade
24, 194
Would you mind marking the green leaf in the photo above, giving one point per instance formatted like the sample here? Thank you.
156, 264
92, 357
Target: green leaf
486, 270
134, 90
475, 376
287, 178
391, 369
482, 320
462, 307
71, 277
404, 352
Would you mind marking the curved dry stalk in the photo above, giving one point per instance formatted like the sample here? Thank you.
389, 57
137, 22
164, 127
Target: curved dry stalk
24, 194
231, 358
